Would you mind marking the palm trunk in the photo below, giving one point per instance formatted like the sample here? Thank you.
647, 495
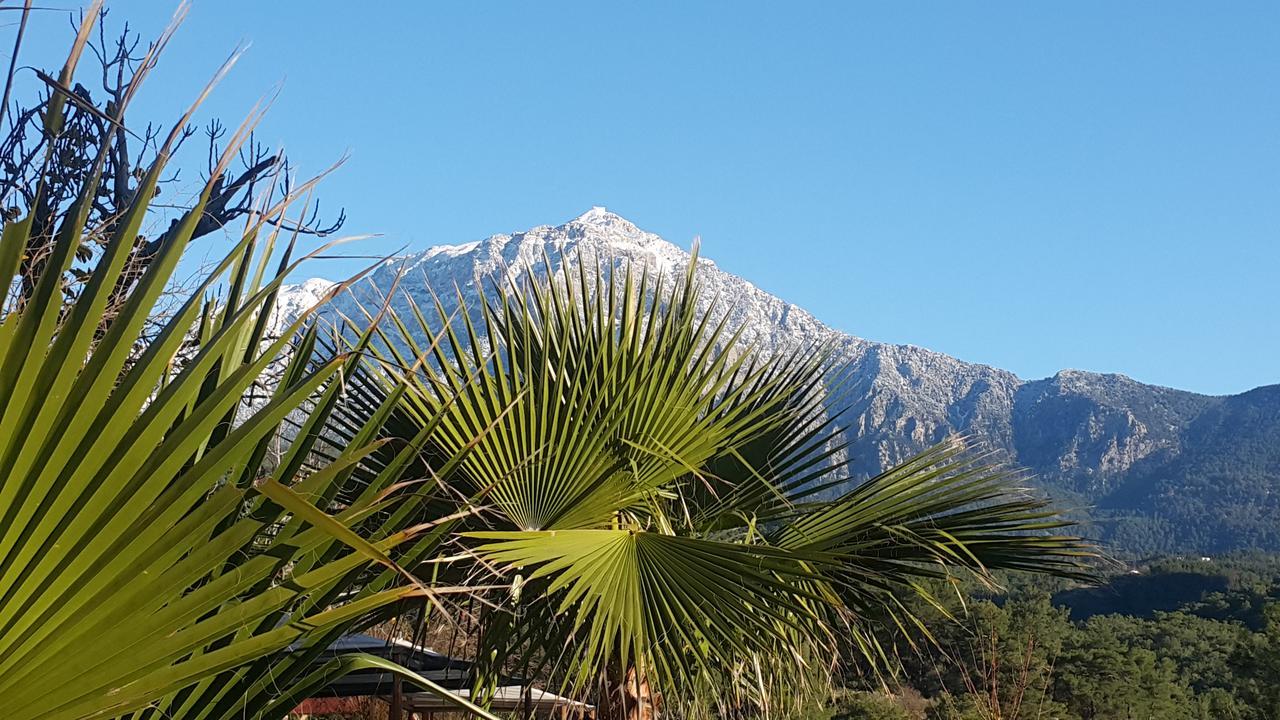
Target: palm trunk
627, 696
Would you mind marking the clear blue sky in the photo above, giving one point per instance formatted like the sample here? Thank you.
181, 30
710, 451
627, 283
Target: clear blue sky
1034, 185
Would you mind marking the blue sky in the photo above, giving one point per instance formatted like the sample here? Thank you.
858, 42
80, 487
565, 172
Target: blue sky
1035, 186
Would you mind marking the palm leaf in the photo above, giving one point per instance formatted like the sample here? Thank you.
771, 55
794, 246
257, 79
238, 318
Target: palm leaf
653, 490
148, 545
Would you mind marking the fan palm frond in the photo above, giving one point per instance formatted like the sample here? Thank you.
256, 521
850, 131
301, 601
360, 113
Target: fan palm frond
666, 502
149, 542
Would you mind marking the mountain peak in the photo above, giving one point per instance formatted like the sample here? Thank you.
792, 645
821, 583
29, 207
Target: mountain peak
1104, 439
597, 214
599, 217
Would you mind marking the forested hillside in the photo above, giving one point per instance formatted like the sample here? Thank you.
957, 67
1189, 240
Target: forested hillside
1173, 639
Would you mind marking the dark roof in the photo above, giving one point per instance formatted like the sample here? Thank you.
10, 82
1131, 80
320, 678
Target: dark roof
449, 672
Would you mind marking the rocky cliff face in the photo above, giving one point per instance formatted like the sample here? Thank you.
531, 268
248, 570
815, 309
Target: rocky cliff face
1086, 432
1095, 439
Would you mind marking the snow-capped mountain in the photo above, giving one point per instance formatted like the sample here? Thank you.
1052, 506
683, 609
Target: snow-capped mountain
1089, 438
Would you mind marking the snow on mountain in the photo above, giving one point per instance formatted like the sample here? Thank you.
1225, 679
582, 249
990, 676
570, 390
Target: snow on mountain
1086, 435
903, 397
294, 300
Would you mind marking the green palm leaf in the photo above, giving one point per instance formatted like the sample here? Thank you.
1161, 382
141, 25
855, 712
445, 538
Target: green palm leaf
150, 550
653, 491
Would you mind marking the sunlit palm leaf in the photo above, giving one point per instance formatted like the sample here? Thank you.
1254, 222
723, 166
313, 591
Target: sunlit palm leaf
661, 496
138, 556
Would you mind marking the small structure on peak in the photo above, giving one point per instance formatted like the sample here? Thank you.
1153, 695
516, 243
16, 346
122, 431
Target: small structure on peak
596, 214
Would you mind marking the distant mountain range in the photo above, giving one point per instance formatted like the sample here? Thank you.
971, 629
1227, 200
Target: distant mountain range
1154, 469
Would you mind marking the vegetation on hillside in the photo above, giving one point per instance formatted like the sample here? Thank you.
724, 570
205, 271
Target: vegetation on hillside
1220, 495
1107, 653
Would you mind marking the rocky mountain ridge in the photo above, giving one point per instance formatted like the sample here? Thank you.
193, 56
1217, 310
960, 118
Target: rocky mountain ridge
1105, 441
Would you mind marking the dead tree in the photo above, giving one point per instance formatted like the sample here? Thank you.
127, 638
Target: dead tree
89, 125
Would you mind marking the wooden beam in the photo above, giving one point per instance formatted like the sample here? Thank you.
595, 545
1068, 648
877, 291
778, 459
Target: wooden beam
397, 700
